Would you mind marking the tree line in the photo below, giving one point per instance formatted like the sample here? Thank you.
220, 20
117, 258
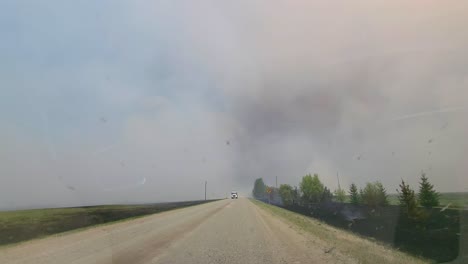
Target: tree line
312, 190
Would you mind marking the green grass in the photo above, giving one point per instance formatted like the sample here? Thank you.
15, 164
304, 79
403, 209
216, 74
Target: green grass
361, 249
22, 225
455, 199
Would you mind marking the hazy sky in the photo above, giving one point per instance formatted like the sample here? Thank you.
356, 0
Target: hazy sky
142, 101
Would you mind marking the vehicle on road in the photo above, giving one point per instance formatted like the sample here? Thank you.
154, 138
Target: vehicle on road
234, 195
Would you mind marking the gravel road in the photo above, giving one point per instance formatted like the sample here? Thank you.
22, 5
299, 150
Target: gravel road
226, 231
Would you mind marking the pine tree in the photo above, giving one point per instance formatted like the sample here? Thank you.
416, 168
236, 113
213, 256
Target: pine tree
407, 198
353, 194
427, 196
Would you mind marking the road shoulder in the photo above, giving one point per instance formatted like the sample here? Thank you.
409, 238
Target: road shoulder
327, 241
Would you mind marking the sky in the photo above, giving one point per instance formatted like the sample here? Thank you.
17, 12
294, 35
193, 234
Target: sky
105, 102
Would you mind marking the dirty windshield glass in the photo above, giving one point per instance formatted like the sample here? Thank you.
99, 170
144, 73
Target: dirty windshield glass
233, 131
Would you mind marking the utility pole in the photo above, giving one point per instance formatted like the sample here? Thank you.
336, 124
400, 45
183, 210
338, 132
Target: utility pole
205, 190
276, 182
339, 187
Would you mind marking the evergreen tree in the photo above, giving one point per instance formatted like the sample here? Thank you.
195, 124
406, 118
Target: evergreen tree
407, 198
353, 194
427, 196
382, 197
327, 196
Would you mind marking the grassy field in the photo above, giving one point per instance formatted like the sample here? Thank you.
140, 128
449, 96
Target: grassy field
456, 199
361, 249
17, 226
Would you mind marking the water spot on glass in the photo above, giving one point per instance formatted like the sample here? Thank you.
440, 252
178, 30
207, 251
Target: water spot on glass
444, 126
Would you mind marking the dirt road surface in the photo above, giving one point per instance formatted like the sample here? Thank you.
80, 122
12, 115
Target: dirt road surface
226, 231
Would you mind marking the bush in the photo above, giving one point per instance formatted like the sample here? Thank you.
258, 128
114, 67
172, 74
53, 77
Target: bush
340, 195
259, 189
286, 194
374, 194
311, 188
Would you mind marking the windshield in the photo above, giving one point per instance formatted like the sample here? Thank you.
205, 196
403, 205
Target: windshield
340, 123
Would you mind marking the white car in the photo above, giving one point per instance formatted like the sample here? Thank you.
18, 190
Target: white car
234, 195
